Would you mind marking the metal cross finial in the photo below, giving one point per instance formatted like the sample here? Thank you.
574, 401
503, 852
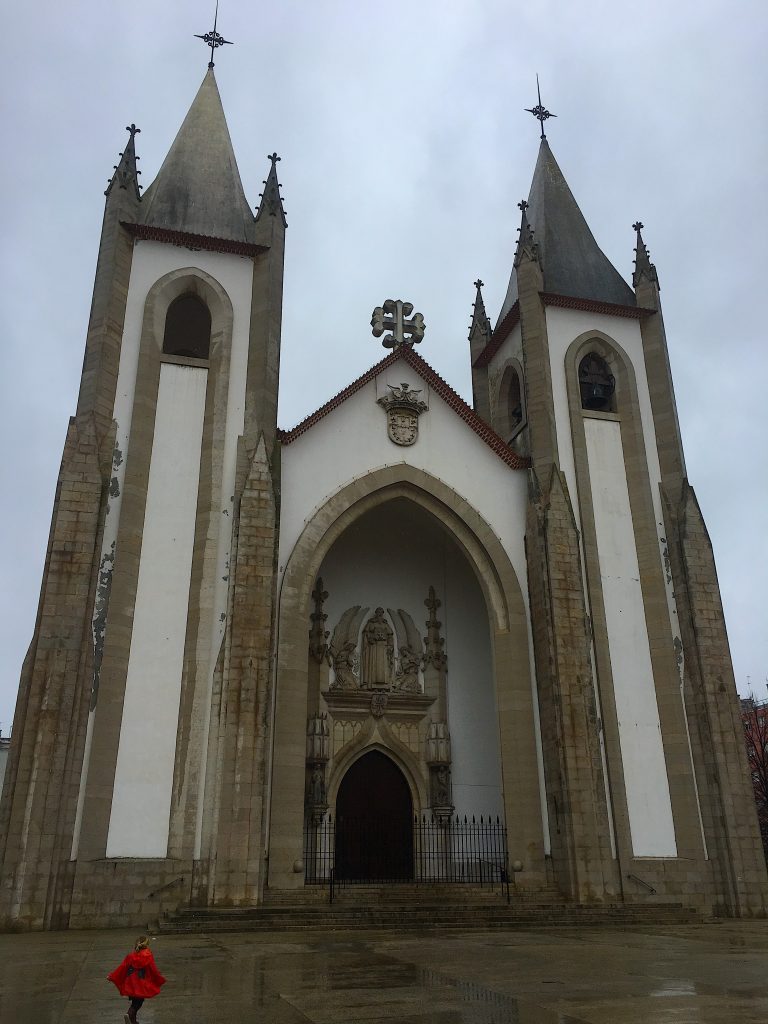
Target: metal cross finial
540, 112
214, 39
393, 316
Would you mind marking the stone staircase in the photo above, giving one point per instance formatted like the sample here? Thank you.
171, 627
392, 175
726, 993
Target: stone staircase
404, 907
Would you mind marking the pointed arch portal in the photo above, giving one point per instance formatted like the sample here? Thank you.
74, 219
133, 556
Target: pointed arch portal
374, 817
509, 644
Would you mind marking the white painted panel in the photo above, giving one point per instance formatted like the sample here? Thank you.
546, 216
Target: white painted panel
151, 262
642, 752
144, 775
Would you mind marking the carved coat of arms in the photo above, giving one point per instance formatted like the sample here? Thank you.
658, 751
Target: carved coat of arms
378, 704
403, 408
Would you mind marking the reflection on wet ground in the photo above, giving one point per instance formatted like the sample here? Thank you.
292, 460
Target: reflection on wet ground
705, 974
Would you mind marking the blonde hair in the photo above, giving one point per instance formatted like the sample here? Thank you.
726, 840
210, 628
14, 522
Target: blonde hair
141, 943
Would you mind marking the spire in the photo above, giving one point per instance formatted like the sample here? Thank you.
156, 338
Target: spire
271, 200
481, 325
126, 174
572, 262
643, 265
198, 189
526, 246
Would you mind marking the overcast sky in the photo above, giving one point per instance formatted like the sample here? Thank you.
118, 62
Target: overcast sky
405, 149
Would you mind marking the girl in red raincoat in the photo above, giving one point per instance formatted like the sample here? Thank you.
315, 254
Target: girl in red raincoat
137, 977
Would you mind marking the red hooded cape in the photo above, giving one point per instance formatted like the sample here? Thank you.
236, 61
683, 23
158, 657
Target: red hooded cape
138, 976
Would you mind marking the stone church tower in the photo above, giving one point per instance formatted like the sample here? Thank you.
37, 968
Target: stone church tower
643, 752
128, 688
187, 727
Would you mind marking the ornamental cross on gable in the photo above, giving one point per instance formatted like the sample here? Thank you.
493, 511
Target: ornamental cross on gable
393, 316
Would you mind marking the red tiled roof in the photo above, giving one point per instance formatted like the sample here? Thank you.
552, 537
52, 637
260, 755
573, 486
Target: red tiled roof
190, 241
595, 306
436, 382
510, 321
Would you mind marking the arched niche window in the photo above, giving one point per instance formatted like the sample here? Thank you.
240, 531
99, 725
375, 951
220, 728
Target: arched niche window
187, 328
510, 410
596, 383
514, 403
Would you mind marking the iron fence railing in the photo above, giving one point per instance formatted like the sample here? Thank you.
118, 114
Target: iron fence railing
351, 850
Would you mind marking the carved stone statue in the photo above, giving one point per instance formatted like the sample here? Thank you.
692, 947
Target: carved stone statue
342, 650
345, 665
378, 652
408, 675
409, 652
441, 786
317, 787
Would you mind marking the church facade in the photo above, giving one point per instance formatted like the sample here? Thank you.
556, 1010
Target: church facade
404, 608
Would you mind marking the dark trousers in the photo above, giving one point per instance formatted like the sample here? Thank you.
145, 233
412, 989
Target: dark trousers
136, 1004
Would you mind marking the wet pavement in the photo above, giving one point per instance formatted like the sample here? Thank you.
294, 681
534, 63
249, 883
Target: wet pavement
695, 974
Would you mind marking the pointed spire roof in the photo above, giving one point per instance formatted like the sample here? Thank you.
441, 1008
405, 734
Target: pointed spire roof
571, 260
271, 200
643, 265
126, 174
480, 325
526, 246
198, 189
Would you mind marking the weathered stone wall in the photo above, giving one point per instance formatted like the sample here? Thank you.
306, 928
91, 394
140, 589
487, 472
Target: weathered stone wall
728, 805
235, 813
578, 814
124, 892
43, 773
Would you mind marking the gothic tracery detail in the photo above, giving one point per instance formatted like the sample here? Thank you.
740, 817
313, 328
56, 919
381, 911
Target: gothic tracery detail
434, 643
318, 635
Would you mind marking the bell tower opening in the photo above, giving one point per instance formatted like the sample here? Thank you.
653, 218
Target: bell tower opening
374, 822
597, 384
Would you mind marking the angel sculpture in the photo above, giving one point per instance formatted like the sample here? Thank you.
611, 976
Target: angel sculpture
342, 650
410, 653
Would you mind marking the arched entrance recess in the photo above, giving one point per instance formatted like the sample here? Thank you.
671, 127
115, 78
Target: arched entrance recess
374, 818
511, 663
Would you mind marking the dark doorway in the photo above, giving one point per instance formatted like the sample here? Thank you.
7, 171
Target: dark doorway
374, 822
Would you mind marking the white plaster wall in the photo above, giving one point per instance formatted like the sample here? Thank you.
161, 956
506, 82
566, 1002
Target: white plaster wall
352, 441
151, 262
141, 797
511, 348
391, 557
642, 751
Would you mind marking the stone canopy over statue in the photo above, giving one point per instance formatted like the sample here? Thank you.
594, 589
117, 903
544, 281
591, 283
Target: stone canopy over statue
383, 652
378, 651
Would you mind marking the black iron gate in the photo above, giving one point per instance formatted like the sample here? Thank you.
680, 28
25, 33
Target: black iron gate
352, 850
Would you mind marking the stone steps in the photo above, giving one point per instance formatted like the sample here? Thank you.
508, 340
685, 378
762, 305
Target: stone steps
420, 915
395, 894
